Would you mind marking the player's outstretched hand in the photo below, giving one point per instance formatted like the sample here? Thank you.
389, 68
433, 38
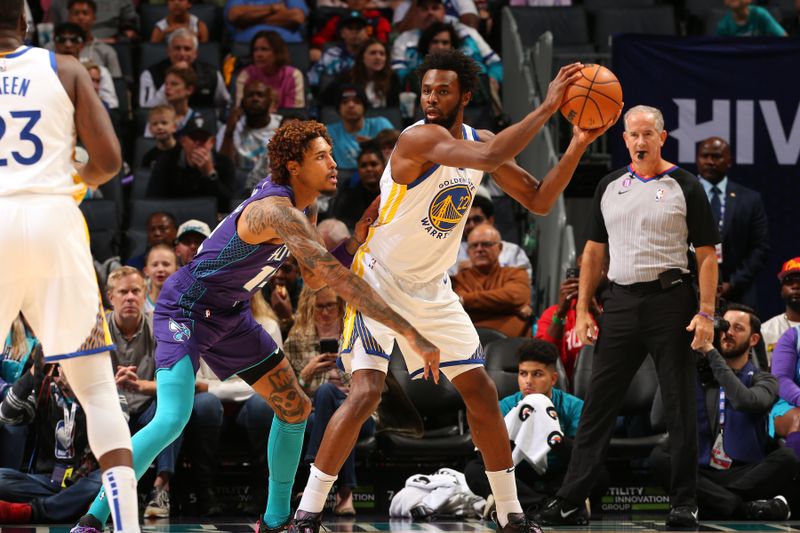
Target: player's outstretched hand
428, 352
555, 91
587, 137
370, 215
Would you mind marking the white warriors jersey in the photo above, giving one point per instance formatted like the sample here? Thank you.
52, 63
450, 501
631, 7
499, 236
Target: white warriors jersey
37, 126
419, 226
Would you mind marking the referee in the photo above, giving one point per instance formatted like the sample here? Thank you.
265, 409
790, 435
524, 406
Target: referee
647, 214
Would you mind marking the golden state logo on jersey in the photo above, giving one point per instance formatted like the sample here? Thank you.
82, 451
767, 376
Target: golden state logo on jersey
447, 209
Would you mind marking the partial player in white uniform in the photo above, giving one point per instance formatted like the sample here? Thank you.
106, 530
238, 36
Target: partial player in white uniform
45, 100
426, 193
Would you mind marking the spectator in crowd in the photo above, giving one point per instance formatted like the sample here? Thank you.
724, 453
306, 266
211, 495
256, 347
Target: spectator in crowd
355, 127
333, 231
341, 55
511, 255
742, 222
14, 360
69, 38
772, 329
195, 170
64, 476
178, 16
161, 229
378, 27
180, 83
272, 66
352, 201
84, 14
785, 415
386, 140
244, 138
745, 20
210, 90
736, 478
438, 36
537, 374
248, 17
191, 235
160, 263
372, 71
283, 293
115, 20
557, 323
408, 15
493, 296
163, 125
134, 364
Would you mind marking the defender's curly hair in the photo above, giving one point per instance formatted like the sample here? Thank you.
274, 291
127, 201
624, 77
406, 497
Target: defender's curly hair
290, 143
464, 66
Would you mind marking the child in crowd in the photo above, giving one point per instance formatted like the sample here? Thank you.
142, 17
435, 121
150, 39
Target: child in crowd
179, 17
162, 125
179, 85
160, 263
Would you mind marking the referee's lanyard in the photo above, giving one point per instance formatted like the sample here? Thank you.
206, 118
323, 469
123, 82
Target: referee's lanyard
720, 459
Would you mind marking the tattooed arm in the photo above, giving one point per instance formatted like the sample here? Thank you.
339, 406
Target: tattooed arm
275, 218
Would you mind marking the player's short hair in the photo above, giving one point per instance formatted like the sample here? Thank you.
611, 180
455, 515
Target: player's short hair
11, 11
120, 273
290, 143
163, 109
187, 74
659, 118
484, 204
538, 351
464, 66
91, 3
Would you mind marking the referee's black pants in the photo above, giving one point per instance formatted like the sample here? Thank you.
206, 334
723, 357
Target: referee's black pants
640, 319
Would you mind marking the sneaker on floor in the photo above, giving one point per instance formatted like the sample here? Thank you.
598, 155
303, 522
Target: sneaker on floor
262, 527
304, 522
87, 524
517, 523
158, 506
559, 512
682, 517
774, 509
15, 513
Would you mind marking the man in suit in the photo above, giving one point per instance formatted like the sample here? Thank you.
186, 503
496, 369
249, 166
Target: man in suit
742, 221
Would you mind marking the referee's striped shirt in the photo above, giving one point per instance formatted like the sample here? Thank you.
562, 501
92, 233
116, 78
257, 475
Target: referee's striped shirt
648, 223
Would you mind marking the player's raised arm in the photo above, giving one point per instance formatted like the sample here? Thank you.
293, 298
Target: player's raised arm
265, 219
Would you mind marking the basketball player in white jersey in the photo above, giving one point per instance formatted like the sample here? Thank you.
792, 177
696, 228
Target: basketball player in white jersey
45, 100
426, 191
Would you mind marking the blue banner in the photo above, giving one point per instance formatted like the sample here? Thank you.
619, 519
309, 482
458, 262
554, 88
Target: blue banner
745, 90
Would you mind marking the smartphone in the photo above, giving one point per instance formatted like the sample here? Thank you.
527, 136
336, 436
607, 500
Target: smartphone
329, 346
573, 272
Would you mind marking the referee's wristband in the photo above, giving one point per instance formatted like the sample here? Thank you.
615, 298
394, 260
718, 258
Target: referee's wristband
704, 315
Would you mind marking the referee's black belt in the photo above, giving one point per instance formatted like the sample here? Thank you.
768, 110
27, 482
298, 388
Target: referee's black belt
651, 287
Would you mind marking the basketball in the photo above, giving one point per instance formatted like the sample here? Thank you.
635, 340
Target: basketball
594, 100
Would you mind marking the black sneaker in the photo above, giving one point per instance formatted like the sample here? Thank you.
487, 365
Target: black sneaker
304, 522
559, 512
87, 524
517, 523
774, 509
262, 527
682, 517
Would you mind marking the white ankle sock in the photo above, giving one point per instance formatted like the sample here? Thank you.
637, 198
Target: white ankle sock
316, 492
120, 485
504, 489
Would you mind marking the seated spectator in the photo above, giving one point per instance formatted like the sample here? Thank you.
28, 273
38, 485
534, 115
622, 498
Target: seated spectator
736, 478
378, 27
785, 416
341, 55
312, 349
160, 263
194, 170
244, 138
69, 38
409, 16
745, 20
14, 360
162, 123
271, 65
248, 17
210, 90
115, 20
179, 85
191, 235
493, 296
405, 50
355, 126
537, 375
372, 71
84, 14
333, 231
557, 323
161, 229
179, 17
482, 211
64, 476
386, 140
283, 293
776, 326
351, 202
133, 360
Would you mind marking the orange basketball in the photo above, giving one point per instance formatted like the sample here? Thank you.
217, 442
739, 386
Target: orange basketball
594, 100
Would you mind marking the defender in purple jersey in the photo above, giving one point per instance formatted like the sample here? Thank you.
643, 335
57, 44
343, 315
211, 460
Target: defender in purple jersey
203, 311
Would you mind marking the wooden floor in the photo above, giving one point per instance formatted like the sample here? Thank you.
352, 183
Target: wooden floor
362, 525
